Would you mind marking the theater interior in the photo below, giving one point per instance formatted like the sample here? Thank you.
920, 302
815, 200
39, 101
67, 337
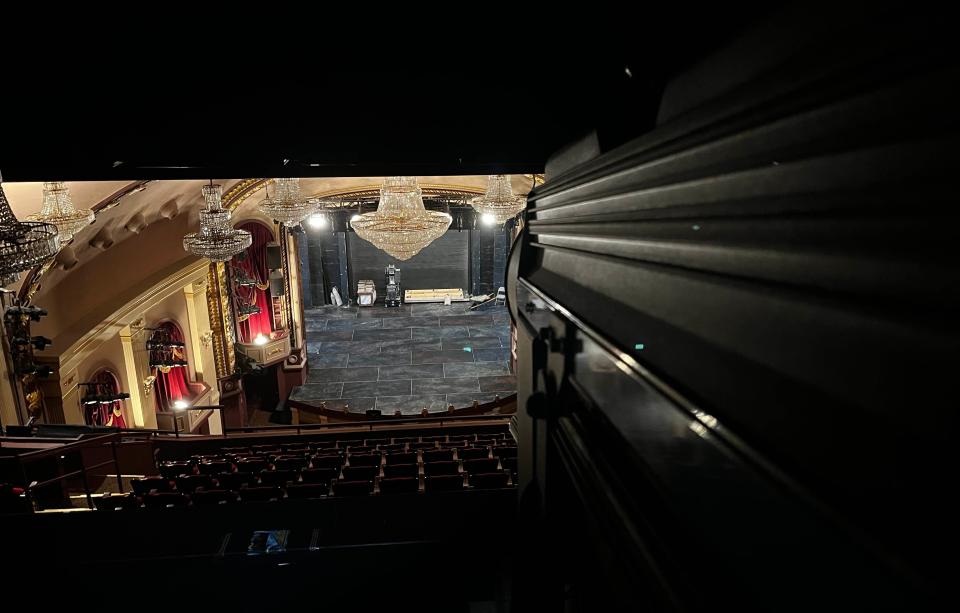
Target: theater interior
666, 328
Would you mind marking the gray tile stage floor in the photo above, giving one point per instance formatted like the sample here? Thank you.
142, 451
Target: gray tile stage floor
406, 358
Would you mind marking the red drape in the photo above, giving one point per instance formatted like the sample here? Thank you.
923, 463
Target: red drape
255, 266
105, 414
174, 385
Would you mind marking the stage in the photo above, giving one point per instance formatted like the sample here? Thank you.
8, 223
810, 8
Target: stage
406, 358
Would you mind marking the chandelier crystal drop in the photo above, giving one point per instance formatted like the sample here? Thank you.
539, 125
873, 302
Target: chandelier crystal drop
401, 225
288, 206
23, 244
216, 240
499, 201
58, 210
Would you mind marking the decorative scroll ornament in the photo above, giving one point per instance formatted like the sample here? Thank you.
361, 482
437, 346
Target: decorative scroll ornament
23, 244
499, 202
401, 225
287, 206
58, 210
216, 240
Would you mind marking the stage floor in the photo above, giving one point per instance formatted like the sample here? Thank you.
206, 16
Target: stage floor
406, 358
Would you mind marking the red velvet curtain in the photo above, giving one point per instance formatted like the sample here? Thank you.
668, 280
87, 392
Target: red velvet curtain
174, 385
105, 414
255, 266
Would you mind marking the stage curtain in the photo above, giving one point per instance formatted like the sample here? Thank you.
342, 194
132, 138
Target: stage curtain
174, 385
255, 266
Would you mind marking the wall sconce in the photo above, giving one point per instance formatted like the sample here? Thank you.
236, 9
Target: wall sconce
148, 385
206, 338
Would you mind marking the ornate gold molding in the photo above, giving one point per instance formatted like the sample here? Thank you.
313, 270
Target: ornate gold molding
221, 326
237, 194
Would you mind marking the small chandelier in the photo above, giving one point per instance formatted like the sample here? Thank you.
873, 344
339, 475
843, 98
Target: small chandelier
216, 240
23, 244
58, 210
401, 226
288, 206
499, 202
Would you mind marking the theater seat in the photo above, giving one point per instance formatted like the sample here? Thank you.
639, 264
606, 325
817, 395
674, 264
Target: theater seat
172, 470
444, 483
234, 481
290, 462
352, 488
190, 483
401, 458
116, 502
330, 461
142, 487
505, 452
306, 491
215, 468
441, 468
401, 470
260, 494
319, 475
366, 459
509, 464
486, 465
424, 445
473, 453
399, 486
360, 473
251, 465
278, 477
165, 500
438, 455
213, 497
399, 448
489, 480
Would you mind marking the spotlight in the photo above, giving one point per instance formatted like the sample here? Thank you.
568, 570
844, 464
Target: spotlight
488, 219
180, 404
40, 342
260, 340
317, 221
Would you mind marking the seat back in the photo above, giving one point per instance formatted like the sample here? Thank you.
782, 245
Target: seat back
401, 458
401, 470
278, 477
190, 483
142, 487
473, 453
360, 473
116, 502
325, 461
441, 468
319, 475
234, 481
489, 480
438, 455
486, 465
287, 462
211, 497
305, 491
352, 488
172, 470
399, 485
443, 483
165, 500
260, 494
364, 459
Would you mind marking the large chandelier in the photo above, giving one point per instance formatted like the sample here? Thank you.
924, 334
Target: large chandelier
401, 225
58, 210
288, 206
499, 202
216, 240
23, 244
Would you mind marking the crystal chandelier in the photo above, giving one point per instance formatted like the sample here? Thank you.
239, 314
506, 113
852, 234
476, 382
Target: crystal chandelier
288, 206
23, 245
401, 225
58, 210
216, 240
499, 202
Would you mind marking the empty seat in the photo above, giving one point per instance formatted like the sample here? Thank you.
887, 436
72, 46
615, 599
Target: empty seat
165, 500
443, 483
505, 452
329, 461
441, 468
473, 453
437, 439
251, 465
323, 445
237, 450
438, 455
266, 449
285, 462
306, 491
399, 485
352, 488
349, 443
462, 437
234, 481
190, 483
212, 497
260, 494
290, 448
401, 458
354, 449
399, 448
278, 477
486, 465
425, 445
142, 487
509, 464
360, 473
372, 442
405, 439
401, 470
319, 475
116, 502
172, 470
215, 468
365, 459
489, 480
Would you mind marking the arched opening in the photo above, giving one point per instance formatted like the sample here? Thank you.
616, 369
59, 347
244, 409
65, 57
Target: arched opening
252, 281
168, 362
110, 414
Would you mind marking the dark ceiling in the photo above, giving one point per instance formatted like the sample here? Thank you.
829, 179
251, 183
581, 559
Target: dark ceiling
502, 114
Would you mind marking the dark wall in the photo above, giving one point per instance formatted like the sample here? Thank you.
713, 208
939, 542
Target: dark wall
444, 263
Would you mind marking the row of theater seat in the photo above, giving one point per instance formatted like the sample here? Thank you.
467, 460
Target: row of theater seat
173, 498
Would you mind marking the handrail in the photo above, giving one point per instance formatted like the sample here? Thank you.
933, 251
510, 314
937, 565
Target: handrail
375, 425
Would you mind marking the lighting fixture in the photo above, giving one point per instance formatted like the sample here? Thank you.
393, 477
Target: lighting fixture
58, 210
180, 404
499, 201
317, 221
287, 206
23, 244
488, 219
216, 240
401, 226
260, 340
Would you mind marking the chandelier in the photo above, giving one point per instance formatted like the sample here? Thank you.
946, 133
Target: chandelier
288, 206
216, 240
499, 202
58, 210
23, 244
401, 225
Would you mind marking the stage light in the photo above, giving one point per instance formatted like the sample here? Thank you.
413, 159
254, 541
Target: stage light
355, 218
260, 340
317, 221
180, 404
488, 219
